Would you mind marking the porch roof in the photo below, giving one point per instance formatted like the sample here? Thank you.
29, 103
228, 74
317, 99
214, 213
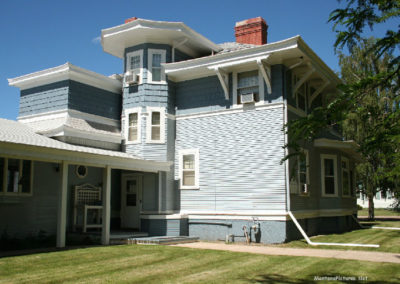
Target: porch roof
350, 147
17, 139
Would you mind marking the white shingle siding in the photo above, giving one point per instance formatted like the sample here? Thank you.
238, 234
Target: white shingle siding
240, 156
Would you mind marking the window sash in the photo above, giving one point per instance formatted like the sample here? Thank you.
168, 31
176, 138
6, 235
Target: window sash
133, 123
329, 176
189, 169
16, 176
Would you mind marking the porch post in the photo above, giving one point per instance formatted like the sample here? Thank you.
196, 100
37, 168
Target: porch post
62, 206
105, 230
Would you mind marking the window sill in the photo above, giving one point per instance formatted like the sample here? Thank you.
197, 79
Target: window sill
329, 195
190, 188
132, 142
155, 142
157, 82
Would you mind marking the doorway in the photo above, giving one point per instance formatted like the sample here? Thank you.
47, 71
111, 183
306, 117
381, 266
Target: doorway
131, 201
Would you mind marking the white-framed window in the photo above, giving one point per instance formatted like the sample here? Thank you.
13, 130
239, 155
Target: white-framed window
134, 63
132, 125
189, 168
329, 175
156, 73
247, 82
16, 176
300, 181
155, 125
346, 178
301, 94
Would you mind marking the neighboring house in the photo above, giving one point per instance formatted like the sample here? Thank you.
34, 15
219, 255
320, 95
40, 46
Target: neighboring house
381, 200
187, 141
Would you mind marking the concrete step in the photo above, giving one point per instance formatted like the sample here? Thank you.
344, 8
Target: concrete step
163, 240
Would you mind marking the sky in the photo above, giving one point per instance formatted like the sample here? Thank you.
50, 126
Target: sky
40, 34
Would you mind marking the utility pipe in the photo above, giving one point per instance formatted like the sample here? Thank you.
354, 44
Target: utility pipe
326, 244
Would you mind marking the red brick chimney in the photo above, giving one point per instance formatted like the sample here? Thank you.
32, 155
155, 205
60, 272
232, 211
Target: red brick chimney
251, 31
130, 20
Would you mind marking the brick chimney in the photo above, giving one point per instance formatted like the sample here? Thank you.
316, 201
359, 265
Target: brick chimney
251, 31
130, 20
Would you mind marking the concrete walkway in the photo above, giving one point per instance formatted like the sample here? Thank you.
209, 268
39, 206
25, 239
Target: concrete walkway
324, 253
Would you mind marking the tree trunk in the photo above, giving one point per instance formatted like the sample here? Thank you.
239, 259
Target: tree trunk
371, 209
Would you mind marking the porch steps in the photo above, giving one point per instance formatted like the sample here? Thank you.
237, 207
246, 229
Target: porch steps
163, 240
122, 238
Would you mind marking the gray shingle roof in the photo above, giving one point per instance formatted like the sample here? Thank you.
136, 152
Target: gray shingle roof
234, 46
18, 133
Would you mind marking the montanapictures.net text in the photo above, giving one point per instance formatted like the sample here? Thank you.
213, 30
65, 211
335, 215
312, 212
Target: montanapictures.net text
335, 278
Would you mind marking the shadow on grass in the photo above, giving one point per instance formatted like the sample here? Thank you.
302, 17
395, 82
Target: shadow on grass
337, 278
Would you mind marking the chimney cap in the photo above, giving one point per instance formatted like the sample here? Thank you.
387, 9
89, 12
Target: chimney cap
251, 21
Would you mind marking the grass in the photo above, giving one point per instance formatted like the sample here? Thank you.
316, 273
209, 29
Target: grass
164, 264
389, 240
379, 212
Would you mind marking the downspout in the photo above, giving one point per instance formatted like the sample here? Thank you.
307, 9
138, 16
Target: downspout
287, 181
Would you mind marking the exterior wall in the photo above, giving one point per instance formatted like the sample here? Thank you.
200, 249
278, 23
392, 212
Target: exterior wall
44, 99
239, 159
70, 94
164, 227
30, 215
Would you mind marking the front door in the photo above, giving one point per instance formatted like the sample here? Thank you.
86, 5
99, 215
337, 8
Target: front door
131, 201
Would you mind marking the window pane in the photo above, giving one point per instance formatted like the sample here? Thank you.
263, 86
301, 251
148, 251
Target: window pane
155, 118
156, 74
188, 162
133, 119
328, 163
156, 60
26, 176
188, 178
155, 133
135, 62
1, 174
248, 79
329, 185
13, 175
132, 134
346, 188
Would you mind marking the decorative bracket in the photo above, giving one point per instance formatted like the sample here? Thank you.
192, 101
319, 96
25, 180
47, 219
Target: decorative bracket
266, 73
303, 79
317, 92
224, 80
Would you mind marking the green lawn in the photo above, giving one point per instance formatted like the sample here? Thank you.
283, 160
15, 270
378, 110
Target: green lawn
164, 264
389, 240
379, 212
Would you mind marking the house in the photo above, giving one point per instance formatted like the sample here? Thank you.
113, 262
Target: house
187, 141
381, 200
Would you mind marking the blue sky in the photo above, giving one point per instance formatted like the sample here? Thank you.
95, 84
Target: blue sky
40, 34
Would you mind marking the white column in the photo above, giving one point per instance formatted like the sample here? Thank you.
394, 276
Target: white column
62, 207
105, 232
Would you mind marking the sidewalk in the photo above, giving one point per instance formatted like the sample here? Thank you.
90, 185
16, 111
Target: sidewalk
324, 253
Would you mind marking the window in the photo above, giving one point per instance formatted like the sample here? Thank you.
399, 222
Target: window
16, 176
155, 125
81, 171
329, 175
301, 94
346, 180
134, 62
189, 168
247, 82
300, 180
155, 58
132, 125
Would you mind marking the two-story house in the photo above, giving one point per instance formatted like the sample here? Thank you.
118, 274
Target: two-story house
188, 140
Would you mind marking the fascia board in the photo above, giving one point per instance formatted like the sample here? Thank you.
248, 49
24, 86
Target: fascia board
205, 62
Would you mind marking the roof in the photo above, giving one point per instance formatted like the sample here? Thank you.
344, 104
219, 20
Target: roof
64, 72
234, 46
13, 133
115, 39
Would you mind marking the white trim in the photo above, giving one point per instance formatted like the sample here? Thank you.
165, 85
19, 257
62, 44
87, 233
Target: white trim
306, 152
150, 65
266, 74
65, 72
194, 152
236, 62
149, 111
127, 112
128, 61
335, 169
238, 109
224, 80
19, 193
163, 216
77, 133
317, 92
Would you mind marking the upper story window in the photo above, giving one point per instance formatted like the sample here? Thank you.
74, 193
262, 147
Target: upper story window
16, 176
155, 71
329, 175
189, 168
301, 94
155, 125
132, 125
247, 83
134, 63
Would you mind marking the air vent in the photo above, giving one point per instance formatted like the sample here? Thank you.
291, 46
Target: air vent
131, 78
247, 98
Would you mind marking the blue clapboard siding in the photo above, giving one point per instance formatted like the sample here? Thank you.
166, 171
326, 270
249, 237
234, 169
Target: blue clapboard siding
94, 100
240, 158
199, 95
46, 98
278, 86
181, 56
